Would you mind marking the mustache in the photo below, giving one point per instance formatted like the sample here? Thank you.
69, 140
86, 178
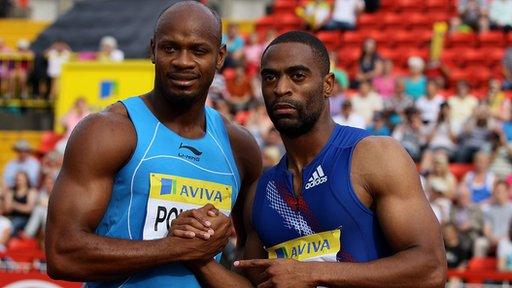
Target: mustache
287, 102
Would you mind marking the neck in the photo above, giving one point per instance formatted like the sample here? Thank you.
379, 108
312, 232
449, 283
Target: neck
303, 149
187, 121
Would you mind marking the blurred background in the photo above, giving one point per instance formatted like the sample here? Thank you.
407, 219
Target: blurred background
436, 75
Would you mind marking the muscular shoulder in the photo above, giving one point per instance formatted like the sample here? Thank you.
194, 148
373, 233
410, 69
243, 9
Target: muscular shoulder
381, 162
245, 149
107, 136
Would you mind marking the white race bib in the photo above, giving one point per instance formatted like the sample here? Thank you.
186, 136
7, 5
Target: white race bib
170, 195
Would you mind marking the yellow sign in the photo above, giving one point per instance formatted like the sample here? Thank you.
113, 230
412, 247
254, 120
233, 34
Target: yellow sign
101, 84
320, 246
190, 191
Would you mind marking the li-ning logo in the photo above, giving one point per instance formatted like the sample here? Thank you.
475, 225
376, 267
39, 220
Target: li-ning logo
318, 178
192, 149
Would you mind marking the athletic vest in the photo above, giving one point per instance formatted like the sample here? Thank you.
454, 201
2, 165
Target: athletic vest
326, 222
167, 174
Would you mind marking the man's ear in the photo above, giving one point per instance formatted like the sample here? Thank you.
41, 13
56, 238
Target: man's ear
221, 57
329, 84
152, 51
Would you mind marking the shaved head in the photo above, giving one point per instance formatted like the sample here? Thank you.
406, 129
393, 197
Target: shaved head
193, 10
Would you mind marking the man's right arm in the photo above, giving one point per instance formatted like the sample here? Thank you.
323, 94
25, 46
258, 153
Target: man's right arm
98, 148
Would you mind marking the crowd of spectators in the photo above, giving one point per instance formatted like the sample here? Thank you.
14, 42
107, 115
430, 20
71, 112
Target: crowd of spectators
27, 75
482, 15
441, 124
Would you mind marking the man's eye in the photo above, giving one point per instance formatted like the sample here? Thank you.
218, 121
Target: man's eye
200, 51
269, 77
298, 76
169, 49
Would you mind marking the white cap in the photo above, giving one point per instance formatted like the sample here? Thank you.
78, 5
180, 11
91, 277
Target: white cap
108, 41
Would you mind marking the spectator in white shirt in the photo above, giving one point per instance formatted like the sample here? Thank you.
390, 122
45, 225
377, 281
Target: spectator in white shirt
462, 106
24, 162
429, 104
348, 117
344, 15
500, 14
109, 51
366, 102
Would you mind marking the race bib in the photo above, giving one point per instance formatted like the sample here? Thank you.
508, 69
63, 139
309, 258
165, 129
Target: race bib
170, 195
321, 247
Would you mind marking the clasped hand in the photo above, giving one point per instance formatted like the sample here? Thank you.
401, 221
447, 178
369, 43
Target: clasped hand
205, 223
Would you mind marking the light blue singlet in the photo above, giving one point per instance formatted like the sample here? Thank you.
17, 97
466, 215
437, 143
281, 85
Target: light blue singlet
166, 175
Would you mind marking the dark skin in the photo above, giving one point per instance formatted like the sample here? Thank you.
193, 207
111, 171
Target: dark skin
383, 176
186, 52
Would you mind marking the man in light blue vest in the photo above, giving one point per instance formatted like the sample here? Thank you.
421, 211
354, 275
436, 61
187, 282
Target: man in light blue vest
133, 168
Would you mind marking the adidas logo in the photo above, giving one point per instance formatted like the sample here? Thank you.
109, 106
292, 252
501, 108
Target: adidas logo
318, 178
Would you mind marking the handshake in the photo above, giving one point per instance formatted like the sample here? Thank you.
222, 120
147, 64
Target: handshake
207, 224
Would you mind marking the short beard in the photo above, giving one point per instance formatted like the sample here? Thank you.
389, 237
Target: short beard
306, 122
180, 102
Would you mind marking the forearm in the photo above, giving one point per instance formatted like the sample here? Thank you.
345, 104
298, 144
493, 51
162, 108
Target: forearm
412, 268
89, 257
22, 208
213, 274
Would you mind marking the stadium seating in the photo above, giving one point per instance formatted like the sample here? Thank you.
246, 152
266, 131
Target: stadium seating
12, 30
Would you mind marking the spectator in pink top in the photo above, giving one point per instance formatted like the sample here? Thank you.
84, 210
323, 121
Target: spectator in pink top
384, 82
79, 111
252, 54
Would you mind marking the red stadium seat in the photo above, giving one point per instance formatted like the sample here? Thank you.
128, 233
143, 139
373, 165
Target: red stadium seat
472, 56
410, 5
459, 170
17, 244
451, 57
461, 40
48, 141
368, 21
392, 54
509, 38
387, 5
491, 39
402, 38
331, 39
285, 7
423, 53
423, 36
353, 39
417, 20
392, 21
497, 71
287, 22
436, 6
347, 57
493, 56
483, 264
264, 23
439, 16
379, 36
478, 76
456, 75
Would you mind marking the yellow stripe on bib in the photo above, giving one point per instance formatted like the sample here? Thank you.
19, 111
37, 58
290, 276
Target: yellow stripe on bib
311, 246
190, 191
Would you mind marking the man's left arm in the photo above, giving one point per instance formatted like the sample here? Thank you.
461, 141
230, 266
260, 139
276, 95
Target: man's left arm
382, 168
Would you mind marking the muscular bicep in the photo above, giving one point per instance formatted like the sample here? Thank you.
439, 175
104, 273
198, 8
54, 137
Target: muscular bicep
95, 152
402, 209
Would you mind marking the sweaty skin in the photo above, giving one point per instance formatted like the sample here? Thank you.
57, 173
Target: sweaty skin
384, 178
186, 51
